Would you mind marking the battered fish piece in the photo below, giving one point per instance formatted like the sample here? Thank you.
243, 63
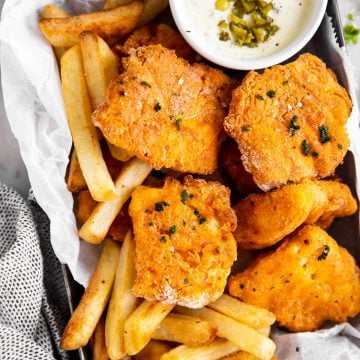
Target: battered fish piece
167, 112
184, 244
157, 34
289, 122
265, 219
308, 280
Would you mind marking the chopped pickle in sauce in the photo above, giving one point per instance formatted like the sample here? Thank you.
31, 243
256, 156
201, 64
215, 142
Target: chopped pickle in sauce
248, 23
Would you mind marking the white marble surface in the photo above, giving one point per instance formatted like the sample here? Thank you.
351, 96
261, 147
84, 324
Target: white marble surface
12, 169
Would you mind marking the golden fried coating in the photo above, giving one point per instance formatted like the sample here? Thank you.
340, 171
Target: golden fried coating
289, 122
264, 219
167, 112
157, 34
308, 280
184, 244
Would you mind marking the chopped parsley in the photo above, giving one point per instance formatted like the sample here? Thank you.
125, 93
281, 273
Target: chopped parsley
325, 253
339, 146
200, 218
351, 34
178, 123
293, 127
159, 206
324, 134
163, 239
271, 94
157, 107
172, 230
259, 97
245, 128
145, 83
305, 147
185, 196
315, 154
186, 280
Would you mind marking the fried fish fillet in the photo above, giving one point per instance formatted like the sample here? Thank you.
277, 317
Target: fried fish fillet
157, 34
264, 219
308, 280
184, 244
289, 122
167, 112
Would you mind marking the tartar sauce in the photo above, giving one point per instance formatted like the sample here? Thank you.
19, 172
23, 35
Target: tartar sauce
202, 19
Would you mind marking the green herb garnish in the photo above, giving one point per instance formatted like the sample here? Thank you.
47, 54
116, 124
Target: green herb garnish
145, 83
315, 154
186, 280
271, 94
325, 253
178, 123
351, 34
157, 107
200, 218
305, 147
293, 127
245, 128
351, 17
172, 230
324, 134
163, 239
259, 97
159, 206
185, 196
339, 146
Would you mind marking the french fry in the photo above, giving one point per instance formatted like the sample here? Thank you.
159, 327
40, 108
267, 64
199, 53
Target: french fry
151, 9
186, 330
265, 331
83, 321
244, 337
84, 134
153, 350
245, 313
110, 4
216, 350
241, 355
119, 21
98, 346
83, 131
118, 153
122, 301
100, 66
141, 324
96, 227
52, 11
85, 204
75, 181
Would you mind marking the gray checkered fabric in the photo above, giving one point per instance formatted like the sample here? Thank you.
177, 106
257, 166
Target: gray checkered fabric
33, 305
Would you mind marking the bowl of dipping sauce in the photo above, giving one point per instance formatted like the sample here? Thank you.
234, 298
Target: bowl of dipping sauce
247, 34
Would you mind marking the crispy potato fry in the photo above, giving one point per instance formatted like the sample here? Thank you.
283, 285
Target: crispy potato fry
118, 153
185, 330
122, 301
97, 344
84, 134
151, 9
51, 11
100, 66
216, 350
87, 314
75, 181
265, 331
153, 350
96, 227
245, 313
244, 337
242, 355
141, 324
108, 23
110, 4
85, 204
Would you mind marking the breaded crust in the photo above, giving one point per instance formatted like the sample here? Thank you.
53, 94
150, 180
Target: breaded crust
265, 219
184, 244
157, 34
167, 112
289, 122
308, 280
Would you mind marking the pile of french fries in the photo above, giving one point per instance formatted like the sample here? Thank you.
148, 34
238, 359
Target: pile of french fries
109, 317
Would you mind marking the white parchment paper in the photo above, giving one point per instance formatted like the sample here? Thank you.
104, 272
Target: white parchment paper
35, 110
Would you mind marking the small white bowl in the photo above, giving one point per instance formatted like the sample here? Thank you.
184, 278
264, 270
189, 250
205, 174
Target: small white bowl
204, 40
